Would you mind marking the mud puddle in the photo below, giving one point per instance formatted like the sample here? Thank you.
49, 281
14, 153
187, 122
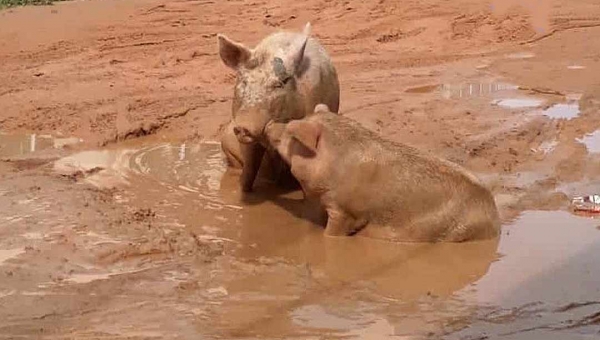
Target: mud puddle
477, 89
518, 103
562, 111
510, 97
284, 278
466, 90
544, 285
12, 145
591, 141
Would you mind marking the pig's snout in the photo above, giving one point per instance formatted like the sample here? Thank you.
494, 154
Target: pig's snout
243, 135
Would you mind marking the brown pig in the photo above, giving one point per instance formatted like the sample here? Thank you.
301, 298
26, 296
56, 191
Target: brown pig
279, 80
381, 189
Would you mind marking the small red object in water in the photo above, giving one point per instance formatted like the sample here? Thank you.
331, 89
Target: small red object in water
587, 203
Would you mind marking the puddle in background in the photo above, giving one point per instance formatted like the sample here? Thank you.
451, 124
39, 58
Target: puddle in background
518, 103
475, 89
591, 141
586, 186
562, 111
576, 67
17, 145
423, 89
86, 278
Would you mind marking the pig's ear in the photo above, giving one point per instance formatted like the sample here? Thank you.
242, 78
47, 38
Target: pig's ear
232, 53
306, 30
296, 53
322, 108
307, 133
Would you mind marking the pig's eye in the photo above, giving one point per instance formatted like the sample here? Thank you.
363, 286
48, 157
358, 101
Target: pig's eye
278, 84
281, 83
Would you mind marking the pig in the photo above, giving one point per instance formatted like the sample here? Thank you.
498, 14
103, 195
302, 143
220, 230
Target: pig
377, 188
283, 78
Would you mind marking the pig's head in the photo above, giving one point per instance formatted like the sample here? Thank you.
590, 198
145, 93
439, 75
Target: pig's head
300, 145
266, 87
297, 138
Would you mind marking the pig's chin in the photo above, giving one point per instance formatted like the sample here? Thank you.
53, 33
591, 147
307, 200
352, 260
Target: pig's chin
246, 139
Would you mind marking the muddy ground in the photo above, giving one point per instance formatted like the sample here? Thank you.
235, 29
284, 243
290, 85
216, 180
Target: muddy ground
119, 220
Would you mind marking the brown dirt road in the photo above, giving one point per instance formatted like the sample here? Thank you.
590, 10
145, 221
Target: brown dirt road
142, 260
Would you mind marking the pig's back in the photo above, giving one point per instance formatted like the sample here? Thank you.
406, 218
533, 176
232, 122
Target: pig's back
410, 188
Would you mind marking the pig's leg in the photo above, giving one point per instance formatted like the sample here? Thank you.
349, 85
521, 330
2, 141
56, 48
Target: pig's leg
231, 148
252, 154
340, 223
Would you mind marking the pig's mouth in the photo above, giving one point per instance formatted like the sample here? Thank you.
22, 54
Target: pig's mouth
244, 136
273, 137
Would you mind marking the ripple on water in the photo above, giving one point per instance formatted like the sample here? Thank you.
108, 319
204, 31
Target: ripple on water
545, 257
191, 167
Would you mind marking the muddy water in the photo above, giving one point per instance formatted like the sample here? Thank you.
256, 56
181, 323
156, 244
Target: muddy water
285, 279
546, 284
18, 145
591, 141
563, 111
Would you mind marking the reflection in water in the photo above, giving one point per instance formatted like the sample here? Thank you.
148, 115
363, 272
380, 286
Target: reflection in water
518, 103
548, 274
591, 141
306, 276
566, 111
423, 89
475, 89
315, 316
18, 145
104, 168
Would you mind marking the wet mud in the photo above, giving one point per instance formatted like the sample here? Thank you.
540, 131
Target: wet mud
222, 265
